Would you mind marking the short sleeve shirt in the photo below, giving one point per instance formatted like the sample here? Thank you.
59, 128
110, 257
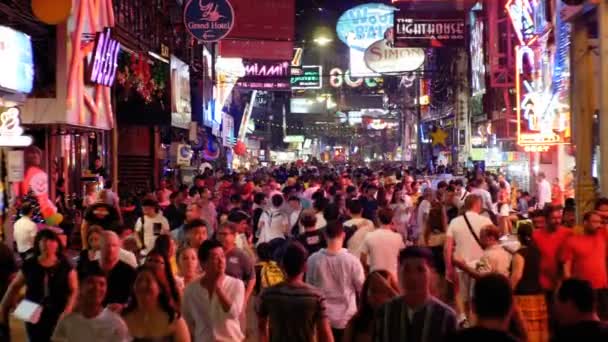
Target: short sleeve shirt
550, 245
239, 265
588, 256
293, 311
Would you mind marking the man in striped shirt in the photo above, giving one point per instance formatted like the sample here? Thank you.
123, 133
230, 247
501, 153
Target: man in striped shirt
416, 315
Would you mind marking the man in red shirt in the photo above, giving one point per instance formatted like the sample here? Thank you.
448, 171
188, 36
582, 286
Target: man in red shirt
549, 237
584, 257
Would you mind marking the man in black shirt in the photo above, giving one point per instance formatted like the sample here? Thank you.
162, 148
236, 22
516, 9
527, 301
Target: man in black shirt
176, 211
120, 275
312, 239
575, 308
493, 305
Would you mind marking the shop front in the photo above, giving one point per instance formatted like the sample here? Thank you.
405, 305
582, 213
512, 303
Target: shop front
16, 81
75, 124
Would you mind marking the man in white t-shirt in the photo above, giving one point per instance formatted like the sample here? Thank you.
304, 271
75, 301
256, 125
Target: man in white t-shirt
461, 243
381, 247
544, 191
361, 226
24, 231
91, 322
422, 214
153, 225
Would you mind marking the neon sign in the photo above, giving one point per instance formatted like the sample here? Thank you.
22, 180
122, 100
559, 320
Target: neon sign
541, 116
105, 59
337, 78
11, 132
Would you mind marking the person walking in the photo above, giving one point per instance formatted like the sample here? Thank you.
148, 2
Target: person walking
293, 310
91, 321
51, 284
416, 315
339, 275
381, 247
462, 242
213, 304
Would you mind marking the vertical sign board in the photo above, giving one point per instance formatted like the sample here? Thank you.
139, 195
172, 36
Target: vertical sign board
208, 20
15, 166
430, 30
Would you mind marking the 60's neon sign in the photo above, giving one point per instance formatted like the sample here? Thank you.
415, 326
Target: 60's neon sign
540, 114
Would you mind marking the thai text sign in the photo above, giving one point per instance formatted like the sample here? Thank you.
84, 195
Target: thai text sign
433, 30
307, 77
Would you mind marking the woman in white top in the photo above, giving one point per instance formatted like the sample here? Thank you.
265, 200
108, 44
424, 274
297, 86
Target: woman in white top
151, 224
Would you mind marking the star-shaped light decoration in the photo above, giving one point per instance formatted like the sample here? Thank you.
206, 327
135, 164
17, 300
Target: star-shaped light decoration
439, 137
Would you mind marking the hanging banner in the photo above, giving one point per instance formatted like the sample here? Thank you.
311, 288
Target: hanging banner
209, 20
430, 30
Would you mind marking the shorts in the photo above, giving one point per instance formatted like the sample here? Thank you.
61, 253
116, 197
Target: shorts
465, 286
505, 210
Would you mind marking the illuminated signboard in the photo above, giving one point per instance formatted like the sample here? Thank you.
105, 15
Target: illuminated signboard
430, 29
11, 132
181, 110
529, 19
266, 75
309, 77
16, 58
476, 49
105, 59
542, 116
338, 78
360, 27
385, 59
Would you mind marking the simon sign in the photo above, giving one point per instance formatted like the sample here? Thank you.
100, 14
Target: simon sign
209, 20
384, 59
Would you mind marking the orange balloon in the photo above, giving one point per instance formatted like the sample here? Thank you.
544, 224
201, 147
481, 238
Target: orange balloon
52, 12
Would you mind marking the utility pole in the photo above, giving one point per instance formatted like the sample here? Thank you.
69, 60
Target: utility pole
602, 18
582, 95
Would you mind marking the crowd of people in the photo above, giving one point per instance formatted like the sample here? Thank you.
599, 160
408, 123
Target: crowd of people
314, 254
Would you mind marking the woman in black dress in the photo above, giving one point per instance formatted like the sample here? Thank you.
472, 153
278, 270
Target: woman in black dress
50, 282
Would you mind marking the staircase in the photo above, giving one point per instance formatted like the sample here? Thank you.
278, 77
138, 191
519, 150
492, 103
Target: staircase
136, 172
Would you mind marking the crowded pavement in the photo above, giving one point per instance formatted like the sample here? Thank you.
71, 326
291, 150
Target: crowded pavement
303, 170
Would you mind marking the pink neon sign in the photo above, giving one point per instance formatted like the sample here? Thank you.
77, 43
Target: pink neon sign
105, 57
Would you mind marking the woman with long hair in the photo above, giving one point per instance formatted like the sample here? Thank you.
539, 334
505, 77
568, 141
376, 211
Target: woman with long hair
529, 295
402, 211
50, 282
189, 267
166, 246
504, 208
379, 287
159, 262
150, 316
89, 255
